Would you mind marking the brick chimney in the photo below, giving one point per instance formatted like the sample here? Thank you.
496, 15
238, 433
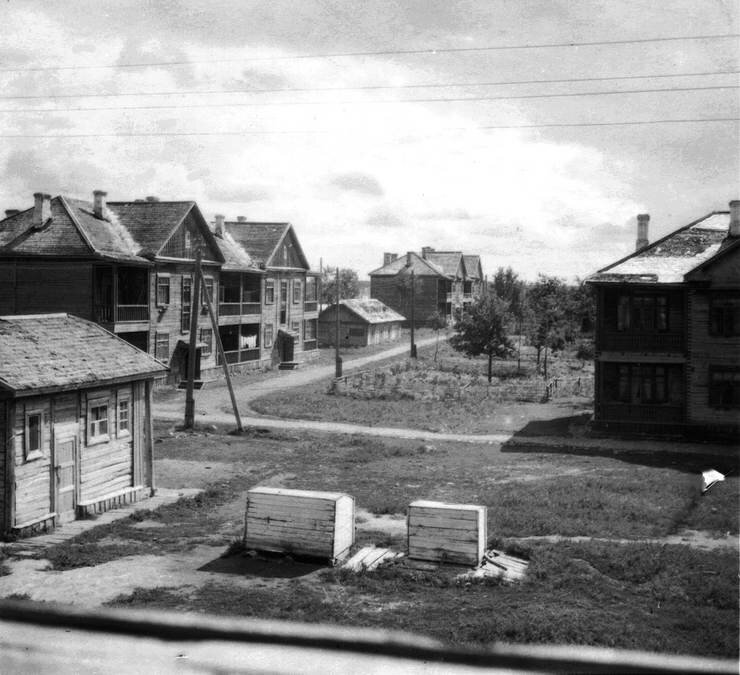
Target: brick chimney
734, 230
408, 258
388, 258
11, 212
41, 209
219, 228
152, 198
99, 203
241, 219
643, 219
425, 251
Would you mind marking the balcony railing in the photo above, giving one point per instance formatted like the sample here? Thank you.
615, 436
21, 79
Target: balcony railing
132, 313
237, 308
626, 412
310, 306
308, 345
240, 356
104, 313
251, 308
642, 342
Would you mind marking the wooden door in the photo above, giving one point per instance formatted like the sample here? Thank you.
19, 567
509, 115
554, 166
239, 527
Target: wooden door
65, 471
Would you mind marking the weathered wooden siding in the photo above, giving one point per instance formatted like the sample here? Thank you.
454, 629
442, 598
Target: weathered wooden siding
7, 288
33, 488
705, 351
4, 477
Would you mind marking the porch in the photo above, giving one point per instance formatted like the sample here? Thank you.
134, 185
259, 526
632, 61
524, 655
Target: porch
121, 294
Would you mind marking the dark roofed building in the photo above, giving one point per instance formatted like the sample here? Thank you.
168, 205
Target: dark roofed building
442, 282
668, 330
75, 413
361, 323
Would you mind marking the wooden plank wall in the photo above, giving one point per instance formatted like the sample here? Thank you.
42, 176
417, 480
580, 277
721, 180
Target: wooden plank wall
453, 533
319, 524
5, 479
67, 287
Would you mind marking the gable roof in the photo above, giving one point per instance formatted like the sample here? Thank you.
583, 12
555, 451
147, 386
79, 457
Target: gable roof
131, 231
419, 266
371, 311
261, 241
235, 257
450, 262
52, 352
473, 267
670, 259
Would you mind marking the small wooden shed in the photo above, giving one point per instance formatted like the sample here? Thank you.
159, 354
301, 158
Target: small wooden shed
75, 421
361, 323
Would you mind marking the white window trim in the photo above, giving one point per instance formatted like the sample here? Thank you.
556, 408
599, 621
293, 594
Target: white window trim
163, 275
297, 296
33, 454
96, 403
270, 281
123, 396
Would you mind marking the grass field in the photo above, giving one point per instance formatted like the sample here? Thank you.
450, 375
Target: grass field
613, 593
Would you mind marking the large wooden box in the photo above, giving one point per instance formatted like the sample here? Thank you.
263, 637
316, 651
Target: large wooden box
451, 533
318, 524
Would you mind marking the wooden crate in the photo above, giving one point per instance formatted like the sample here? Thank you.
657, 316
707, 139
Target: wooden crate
451, 533
302, 522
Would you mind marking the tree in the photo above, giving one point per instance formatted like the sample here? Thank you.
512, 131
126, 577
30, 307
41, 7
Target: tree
547, 302
509, 287
481, 329
437, 322
348, 286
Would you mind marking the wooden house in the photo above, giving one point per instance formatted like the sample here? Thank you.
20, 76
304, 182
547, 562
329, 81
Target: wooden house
127, 266
668, 331
75, 421
289, 292
361, 323
443, 284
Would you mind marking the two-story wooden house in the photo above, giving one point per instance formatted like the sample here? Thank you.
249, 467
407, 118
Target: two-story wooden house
444, 282
288, 288
126, 265
668, 331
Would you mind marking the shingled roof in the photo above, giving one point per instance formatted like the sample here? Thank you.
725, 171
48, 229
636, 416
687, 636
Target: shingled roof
236, 259
448, 261
472, 266
670, 259
56, 352
372, 311
261, 241
418, 265
131, 231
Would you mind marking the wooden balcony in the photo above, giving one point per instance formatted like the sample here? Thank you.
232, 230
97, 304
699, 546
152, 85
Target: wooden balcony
240, 356
121, 313
238, 308
310, 306
628, 412
641, 342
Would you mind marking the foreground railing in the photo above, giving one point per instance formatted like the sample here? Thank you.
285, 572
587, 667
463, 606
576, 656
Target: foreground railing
145, 641
132, 313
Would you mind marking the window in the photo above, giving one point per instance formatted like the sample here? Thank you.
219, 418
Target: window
206, 338
646, 313
97, 421
724, 318
269, 291
187, 299
311, 289
124, 415
642, 383
295, 326
724, 387
268, 336
208, 290
188, 241
296, 291
34, 434
309, 329
163, 290
162, 346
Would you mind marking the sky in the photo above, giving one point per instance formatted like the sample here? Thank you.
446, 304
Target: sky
294, 111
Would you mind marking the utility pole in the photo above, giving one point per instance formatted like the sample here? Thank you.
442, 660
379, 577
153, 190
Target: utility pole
338, 359
413, 317
194, 312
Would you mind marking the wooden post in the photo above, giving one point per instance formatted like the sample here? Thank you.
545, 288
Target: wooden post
337, 358
220, 348
149, 434
194, 312
413, 313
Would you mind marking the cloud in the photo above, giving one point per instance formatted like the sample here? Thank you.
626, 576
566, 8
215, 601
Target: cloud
237, 193
356, 181
384, 218
446, 214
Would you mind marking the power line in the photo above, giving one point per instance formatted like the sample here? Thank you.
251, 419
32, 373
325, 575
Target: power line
371, 87
387, 52
247, 132
251, 104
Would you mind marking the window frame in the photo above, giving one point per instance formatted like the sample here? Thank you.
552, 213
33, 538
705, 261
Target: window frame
269, 291
297, 294
161, 336
159, 284
123, 397
713, 395
36, 453
94, 403
309, 334
186, 306
268, 341
208, 342
724, 318
209, 286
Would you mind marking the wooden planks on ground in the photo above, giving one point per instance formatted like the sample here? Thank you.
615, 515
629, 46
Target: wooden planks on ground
370, 557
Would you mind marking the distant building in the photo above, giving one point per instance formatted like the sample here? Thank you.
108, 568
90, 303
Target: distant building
361, 323
668, 331
75, 421
445, 281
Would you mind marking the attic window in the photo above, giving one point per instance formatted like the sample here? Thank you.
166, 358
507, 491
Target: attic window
188, 242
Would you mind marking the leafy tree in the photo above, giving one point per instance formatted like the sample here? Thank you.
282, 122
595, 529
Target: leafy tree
348, 286
546, 314
510, 288
481, 329
437, 321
